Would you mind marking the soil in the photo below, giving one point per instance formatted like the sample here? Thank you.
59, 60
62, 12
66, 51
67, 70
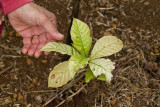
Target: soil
136, 79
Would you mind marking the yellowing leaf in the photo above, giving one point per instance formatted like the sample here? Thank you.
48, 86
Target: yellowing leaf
80, 34
89, 75
76, 62
59, 47
102, 66
60, 75
105, 46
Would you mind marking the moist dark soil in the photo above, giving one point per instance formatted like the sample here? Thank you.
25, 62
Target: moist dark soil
136, 79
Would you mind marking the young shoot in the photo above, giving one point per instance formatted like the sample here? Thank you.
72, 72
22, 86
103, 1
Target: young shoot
97, 67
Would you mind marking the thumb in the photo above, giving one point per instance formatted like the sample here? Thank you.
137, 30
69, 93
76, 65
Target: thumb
51, 29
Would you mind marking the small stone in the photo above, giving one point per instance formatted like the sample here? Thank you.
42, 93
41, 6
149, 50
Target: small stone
137, 28
112, 31
107, 5
15, 77
97, 8
15, 96
28, 61
151, 53
17, 35
128, 98
122, 38
156, 51
21, 90
1, 65
38, 99
39, 84
113, 102
44, 61
141, 57
107, 33
34, 80
146, 3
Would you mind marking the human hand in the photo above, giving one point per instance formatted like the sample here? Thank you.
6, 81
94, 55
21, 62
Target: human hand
36, 25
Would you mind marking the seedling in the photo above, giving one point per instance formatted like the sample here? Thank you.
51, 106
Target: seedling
97, 67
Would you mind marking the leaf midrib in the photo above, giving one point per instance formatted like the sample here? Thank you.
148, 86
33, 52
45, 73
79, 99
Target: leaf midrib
81, 41
98, 52
78, 64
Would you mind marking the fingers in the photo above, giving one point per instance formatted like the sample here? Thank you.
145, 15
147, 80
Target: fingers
37, 44
32, 49
51, 29
33, 45
49, 40
39, 47
27, 44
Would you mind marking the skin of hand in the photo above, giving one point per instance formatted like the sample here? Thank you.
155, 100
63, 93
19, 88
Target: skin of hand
36, 25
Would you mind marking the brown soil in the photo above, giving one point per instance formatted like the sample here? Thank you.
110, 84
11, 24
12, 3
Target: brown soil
136, 80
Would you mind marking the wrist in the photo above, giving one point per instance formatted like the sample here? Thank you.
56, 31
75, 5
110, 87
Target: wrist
11, 5
19, 9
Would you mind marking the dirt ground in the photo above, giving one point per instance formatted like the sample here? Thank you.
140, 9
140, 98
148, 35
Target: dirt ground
136, 80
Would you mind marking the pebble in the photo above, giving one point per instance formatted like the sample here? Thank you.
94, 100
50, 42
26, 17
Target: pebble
146, 3
128, 98
38, 99
44, 61
1, 65
28, 61
17, 35
112, 31
106, 33
97, 8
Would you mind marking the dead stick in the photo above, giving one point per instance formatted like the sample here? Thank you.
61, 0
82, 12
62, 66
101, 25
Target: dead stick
42, 91
69, 86
72, 95
6, 69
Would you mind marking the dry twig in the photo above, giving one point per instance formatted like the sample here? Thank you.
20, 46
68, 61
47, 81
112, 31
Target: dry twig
69, 86
6, 69
71, 96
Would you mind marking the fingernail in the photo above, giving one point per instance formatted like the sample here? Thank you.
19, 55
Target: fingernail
60, 35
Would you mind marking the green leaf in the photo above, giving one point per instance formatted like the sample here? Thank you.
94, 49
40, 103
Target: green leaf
59, 47
102, 77
80, 34
89, 75
76, 62
102, 66
60, 75
105, 46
